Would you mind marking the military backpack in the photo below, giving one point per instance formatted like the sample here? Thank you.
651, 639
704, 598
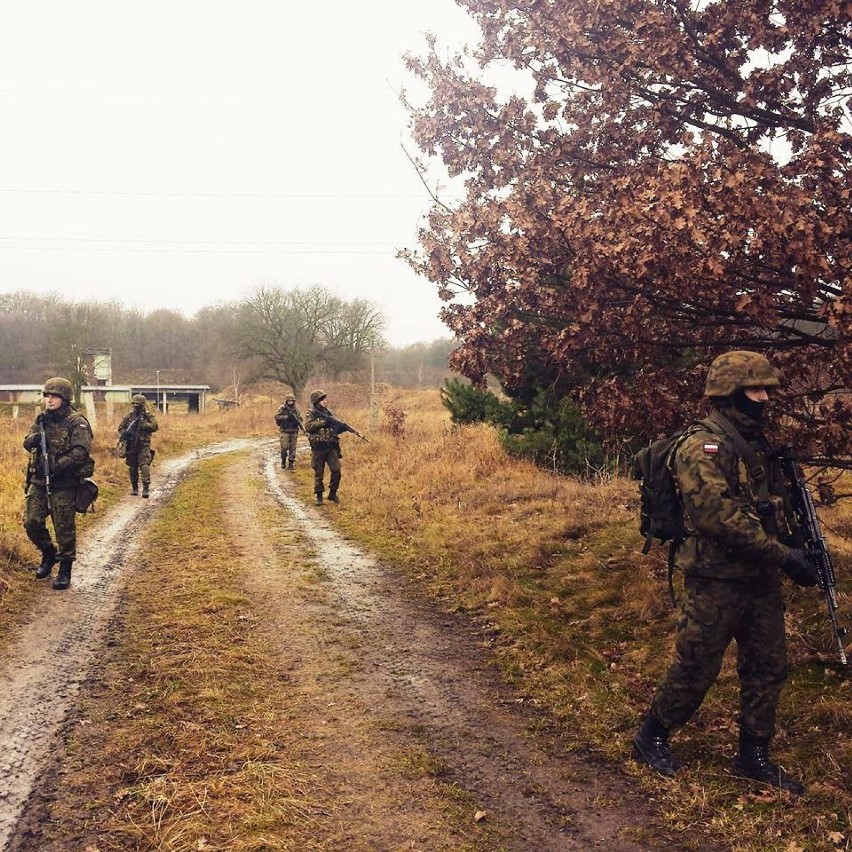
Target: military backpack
660, 506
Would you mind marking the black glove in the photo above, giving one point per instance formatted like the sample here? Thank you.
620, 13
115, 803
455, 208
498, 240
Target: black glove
799, 567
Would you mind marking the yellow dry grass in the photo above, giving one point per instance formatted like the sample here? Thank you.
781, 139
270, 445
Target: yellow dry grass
577, 617
580, 619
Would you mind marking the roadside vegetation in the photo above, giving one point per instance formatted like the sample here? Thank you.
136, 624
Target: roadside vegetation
580, 621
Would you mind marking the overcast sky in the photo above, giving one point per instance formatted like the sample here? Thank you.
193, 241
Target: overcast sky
177, 154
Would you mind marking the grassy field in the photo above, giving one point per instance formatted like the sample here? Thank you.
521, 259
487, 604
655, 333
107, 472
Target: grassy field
580, 620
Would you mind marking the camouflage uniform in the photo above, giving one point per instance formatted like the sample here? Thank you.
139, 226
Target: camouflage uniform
69, 441
325, 448
739, 531
289, 421
730, 561
135, 430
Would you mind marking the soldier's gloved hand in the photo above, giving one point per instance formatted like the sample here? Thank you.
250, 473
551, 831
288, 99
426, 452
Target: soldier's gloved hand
799, 567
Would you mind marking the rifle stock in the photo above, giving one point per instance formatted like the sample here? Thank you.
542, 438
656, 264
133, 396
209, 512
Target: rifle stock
815, 543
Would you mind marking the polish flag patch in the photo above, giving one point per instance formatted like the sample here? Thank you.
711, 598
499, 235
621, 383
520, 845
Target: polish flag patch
711, 449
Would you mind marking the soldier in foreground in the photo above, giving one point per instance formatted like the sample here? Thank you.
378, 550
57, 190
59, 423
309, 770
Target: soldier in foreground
739, 527
135, 432
289, 422
59, 443
324, 439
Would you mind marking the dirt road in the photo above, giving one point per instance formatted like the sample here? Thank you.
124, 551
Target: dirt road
419, 677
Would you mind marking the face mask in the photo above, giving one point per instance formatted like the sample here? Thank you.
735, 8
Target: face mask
752, 409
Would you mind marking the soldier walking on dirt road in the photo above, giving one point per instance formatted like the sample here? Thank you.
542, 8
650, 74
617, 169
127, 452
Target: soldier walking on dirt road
324, 439
289, 422
135, 432
739, 533
59, 443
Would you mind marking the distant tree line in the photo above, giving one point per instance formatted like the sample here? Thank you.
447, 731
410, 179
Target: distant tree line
286, 335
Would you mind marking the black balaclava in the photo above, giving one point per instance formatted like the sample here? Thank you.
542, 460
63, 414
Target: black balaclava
752, 409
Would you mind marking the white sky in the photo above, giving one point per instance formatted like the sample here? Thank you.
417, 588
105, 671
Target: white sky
176, 154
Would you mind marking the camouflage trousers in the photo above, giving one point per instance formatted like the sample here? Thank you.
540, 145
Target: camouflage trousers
62, 514
713, 613
320, 457
139, 463
288, 447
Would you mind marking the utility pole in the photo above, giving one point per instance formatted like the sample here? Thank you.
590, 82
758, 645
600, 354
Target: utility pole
374, 400
158, 392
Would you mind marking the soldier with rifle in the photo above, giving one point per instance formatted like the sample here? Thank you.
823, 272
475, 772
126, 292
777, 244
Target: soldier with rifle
59, 443
134, 435
289, 422
324, 431
742, 532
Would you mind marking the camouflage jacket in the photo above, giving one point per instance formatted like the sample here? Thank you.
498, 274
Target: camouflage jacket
736, 518
69, 442
140, 432
288, 419
321, 434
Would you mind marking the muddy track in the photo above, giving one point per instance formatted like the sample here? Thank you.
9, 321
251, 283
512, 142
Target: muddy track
434, 676
430, 673
54, 651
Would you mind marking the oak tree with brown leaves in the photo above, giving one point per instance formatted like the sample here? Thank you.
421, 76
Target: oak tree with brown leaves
676, 184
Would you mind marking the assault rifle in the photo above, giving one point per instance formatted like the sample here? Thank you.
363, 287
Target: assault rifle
291, 415
45, 460
338, 425
815, 544
130, 435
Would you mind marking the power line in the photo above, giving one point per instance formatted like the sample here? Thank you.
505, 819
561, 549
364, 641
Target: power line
261, 195
170, 246
266, 243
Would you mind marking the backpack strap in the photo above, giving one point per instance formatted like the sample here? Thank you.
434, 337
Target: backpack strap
757, 471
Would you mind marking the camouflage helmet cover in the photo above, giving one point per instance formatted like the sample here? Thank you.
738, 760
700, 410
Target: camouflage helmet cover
289, 398
59, 387
318, 395
739, 369
138, 399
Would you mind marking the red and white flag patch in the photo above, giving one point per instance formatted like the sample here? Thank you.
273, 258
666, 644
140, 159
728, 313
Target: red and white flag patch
711, 449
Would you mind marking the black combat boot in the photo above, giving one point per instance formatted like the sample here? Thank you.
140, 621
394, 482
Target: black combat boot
63, 576
48, 560
332, 495
292, 465
753, 762
283, 462
319, 498
134, 487
651, 747
145, 487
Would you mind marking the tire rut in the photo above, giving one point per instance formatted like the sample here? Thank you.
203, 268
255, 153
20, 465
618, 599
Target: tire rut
51, 656
427, 671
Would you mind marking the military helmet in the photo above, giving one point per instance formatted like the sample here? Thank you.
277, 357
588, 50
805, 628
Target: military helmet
289, 398
59, 387
318, 395
739, 369
138, 399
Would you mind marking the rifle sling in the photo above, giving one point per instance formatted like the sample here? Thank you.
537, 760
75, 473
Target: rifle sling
756, 470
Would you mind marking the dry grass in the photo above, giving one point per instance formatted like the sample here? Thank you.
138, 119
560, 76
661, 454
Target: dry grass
182, 741
177, 433
579, 619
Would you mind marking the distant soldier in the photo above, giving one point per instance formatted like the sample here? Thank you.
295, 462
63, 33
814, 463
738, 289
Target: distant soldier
59, 443
289, 422
135, 432
740, 531
324, 439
